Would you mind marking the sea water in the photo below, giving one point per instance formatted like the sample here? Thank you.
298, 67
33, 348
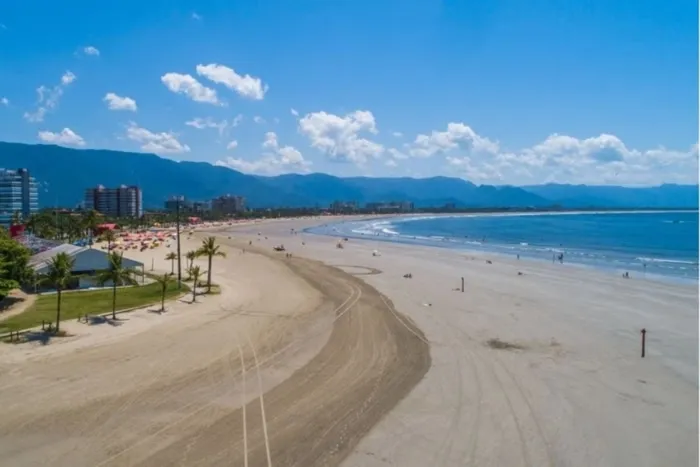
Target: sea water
663, 244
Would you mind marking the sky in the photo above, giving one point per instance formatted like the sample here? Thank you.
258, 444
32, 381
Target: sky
495, 92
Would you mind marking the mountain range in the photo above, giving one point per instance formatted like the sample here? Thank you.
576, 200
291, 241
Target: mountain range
65, 173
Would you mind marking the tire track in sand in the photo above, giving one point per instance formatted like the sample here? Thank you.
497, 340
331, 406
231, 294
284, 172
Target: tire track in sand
262, 402
319, 414
339, 312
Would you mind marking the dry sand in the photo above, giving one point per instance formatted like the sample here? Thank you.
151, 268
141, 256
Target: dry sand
574, 392
334, 358
186, 387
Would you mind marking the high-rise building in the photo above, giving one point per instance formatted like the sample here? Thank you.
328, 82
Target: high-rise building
186, 205
228, 204
125, 201
18, 194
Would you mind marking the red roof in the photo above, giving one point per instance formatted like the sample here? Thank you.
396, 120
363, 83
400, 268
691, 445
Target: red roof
107, 226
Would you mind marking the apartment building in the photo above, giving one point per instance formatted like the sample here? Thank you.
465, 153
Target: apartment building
124, 201
228, 204
18, 194
187, 206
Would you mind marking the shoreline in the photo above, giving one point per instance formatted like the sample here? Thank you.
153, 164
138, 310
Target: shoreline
636, 270
566, 390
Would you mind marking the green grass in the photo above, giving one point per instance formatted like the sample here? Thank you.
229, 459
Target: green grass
74, 304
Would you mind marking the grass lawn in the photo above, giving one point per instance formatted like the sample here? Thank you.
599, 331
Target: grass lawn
94, 302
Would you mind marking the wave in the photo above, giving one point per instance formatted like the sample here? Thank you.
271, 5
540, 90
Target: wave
662, 260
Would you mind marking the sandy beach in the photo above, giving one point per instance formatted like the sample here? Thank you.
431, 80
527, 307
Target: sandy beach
332, 357
574, 393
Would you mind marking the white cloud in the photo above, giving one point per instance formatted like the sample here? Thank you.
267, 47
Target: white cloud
202, 123
196, 16
396, 154
48, 98
67, 78
115, 102
189, 86
259, 120
457, 135
484, 172
397, 134
232, 145
90, 50
602, 159
276, 159
66, 137
339, 138
5, 101
237, 120
159, 143
246, 85
270, 140
390, 163
294, 112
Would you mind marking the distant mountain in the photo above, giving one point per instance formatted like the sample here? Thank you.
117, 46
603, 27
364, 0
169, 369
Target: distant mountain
65, 174
667, 195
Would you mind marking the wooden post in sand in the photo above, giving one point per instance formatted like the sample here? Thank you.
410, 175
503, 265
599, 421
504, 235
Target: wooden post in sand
463, 285
644, 341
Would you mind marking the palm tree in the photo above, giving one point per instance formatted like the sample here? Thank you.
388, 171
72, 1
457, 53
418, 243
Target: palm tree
117, 274
59, 276
89, 222
195, 274
191, 256
210, 249
172, 256
109, 236
163, 281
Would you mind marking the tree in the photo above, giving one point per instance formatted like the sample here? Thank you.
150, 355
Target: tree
89, 222
59, 276
210, 249
172, 256
109, 236
190, 255
14, 258
195, 274
118, 275
163, 281
6, 283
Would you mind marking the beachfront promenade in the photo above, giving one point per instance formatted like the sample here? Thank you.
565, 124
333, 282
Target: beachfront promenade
299, 363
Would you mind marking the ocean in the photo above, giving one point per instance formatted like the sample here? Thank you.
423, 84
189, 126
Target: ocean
657, 244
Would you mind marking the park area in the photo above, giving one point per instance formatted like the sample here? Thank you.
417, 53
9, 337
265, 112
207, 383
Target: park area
94, 302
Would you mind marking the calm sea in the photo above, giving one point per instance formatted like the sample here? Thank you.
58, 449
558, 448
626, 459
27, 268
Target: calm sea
652, 243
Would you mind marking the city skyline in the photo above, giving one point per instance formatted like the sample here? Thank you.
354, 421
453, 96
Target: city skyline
18, 195
500, 93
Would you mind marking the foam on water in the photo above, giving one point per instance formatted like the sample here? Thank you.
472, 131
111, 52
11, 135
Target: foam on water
654, 242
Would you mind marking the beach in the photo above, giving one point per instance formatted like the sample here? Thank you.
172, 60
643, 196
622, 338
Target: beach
333, 357
576, 392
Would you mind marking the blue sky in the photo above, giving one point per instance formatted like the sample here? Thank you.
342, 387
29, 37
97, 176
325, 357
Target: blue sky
502, 92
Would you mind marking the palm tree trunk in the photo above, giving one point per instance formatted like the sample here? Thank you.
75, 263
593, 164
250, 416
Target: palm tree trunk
162, 298
194, 291
209, 276
58, 308
172, 267
114, 300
